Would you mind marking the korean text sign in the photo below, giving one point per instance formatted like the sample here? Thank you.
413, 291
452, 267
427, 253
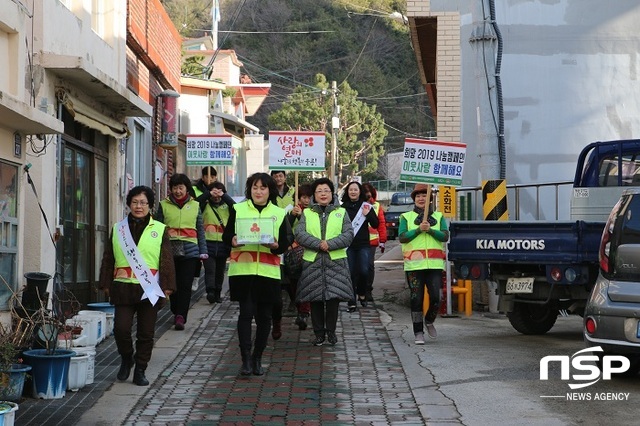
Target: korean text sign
296, 150
209, 150
435, 162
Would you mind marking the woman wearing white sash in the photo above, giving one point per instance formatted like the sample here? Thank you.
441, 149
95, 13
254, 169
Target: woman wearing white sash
138, 275
362, 216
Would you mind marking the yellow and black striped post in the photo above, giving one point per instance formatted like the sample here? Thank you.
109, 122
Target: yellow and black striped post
494, 200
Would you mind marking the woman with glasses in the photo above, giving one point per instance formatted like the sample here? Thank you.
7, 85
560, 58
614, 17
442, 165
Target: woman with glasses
181, 213
362, 217
325, 232
144, 268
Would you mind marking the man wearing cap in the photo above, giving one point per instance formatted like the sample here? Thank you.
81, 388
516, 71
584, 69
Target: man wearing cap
422, 237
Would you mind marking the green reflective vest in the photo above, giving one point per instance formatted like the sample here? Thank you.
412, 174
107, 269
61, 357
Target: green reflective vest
287, 199
334, 228
256, 259
148, 246
424, 251
181, 221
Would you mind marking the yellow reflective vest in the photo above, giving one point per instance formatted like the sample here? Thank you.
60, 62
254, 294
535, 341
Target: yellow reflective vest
148, 246
287, 199
424, 251
256, 259
214, 227
181, 221
334, 228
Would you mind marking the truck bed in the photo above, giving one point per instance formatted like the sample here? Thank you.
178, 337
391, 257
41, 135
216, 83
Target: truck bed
525, 241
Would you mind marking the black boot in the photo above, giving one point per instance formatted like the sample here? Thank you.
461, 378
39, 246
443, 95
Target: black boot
126, 362
138, 376
216, 296
256, 364
246, 363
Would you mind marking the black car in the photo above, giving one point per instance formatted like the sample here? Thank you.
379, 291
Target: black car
400, 202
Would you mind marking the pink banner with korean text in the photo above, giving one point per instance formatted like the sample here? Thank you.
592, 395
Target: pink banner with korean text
292, 150
435, 162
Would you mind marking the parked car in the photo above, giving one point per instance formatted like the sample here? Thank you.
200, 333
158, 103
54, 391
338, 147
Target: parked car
611, 318
400, 202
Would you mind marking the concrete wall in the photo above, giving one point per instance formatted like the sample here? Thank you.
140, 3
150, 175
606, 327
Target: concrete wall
569, 75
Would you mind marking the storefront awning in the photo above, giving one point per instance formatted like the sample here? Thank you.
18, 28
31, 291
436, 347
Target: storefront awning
235, 121
19, 116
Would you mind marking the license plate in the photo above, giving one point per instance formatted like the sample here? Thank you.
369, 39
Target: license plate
520, 285
580, 192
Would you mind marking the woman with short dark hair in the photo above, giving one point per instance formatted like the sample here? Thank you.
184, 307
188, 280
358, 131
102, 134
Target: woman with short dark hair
258, 234
128, 275
325, 232
181, 213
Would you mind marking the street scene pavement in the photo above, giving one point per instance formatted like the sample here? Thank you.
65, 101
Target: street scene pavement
479, 371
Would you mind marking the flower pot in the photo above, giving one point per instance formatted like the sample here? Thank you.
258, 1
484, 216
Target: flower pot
12, 382
37, 280
50, 372
8, 413
78, 372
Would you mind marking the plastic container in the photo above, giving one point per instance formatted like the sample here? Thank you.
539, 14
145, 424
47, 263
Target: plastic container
102, 322
91, 361
90, 328
8, 413
49, 372
78, 372
109, 310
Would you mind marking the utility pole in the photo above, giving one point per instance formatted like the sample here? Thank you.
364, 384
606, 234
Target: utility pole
335, 125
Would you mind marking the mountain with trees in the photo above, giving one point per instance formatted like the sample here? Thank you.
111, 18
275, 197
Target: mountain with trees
300, 45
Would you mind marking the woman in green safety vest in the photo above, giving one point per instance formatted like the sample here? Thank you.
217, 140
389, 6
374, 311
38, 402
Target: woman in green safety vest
182, 216
325, 232
257, 233
422, 233
121, 273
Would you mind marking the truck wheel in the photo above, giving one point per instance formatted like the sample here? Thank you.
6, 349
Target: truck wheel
529, 318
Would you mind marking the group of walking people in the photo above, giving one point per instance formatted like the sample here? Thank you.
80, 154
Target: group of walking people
162, 253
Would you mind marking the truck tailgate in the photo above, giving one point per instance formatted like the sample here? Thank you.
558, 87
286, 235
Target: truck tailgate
525, 241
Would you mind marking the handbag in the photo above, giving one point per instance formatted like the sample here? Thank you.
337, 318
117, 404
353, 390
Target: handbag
177, 247
293, 261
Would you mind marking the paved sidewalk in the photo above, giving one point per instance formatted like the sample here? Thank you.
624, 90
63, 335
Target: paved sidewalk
372, 376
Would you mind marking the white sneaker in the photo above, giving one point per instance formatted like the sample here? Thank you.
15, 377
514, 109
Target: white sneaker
195, 284
419, 338
431, 330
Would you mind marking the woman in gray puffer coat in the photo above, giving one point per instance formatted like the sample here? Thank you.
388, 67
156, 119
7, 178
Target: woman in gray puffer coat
325, 232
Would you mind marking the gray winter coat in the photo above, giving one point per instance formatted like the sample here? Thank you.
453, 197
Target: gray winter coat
324, 279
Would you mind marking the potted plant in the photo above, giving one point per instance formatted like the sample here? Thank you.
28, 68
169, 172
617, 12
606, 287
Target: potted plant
8, 412
12, 370
40, 328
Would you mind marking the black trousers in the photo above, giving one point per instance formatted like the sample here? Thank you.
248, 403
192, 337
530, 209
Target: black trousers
324, 316
181, 298
147, 315
261, 311
214, 268
417, 281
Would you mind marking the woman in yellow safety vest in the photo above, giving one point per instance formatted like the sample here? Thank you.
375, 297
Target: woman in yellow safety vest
181, 213
325, 232
120, 274
257, 233
422, 233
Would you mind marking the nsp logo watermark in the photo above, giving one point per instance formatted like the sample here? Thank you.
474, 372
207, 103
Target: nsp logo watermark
590, 369
611, 364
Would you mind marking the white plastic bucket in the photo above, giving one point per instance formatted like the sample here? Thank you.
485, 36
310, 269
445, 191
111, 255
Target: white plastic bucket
91, 361
78, 372
89, 326
102, 322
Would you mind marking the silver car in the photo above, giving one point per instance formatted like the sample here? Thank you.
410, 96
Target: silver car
612, 314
